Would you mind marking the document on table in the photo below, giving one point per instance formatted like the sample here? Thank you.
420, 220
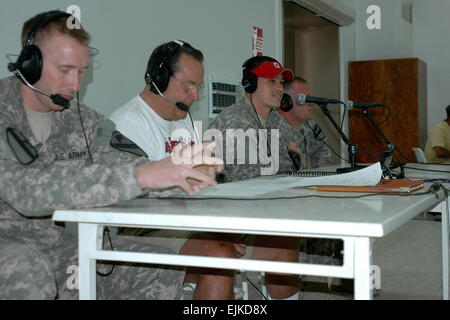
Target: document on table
368, 176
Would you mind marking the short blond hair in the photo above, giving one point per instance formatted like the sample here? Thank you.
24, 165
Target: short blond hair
56, 26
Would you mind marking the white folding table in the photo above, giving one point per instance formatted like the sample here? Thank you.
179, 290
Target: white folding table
356, 220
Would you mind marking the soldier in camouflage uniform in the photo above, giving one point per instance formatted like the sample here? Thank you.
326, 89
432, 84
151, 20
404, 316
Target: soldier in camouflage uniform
314, 153
270, 137
55, 158
313, 148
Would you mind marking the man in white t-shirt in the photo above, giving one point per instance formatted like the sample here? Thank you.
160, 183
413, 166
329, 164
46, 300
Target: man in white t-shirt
157, 120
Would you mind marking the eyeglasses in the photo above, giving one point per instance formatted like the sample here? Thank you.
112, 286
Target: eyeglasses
190, 86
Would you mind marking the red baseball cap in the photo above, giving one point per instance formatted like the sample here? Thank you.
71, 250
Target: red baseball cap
271, 69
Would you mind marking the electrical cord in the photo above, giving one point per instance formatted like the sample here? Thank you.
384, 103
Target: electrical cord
112, 249
257, 289
92, 162
193, 128
324, 142
428, 170
82, 128
269, 152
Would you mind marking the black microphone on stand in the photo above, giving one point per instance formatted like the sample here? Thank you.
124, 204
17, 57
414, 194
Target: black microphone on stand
303, 98
322, 103
56, 98
362, 105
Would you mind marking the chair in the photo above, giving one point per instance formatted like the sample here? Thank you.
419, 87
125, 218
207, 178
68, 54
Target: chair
420, 156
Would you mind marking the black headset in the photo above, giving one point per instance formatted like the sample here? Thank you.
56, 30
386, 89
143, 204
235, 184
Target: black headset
249, 79
250, 82
159, 72
286, 104
29, 62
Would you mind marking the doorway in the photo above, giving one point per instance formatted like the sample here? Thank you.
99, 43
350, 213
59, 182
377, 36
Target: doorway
311, 50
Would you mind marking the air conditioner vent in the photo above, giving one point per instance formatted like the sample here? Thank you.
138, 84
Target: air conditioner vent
223, 94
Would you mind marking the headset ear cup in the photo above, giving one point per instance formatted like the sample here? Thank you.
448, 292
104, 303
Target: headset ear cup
286, 103
163, 78
159, 77
249, 81
30, 63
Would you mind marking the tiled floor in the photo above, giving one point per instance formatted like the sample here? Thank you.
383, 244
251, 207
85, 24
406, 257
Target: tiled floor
410, 262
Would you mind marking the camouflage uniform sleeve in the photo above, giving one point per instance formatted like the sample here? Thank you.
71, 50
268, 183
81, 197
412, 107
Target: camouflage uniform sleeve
287, 139
39, 188
317, 148
229, 128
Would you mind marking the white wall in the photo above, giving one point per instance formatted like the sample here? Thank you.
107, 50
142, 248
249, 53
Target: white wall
392, 41
126, 32
426, 38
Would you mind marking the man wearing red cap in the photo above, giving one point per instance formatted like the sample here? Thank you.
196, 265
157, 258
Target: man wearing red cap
269, 137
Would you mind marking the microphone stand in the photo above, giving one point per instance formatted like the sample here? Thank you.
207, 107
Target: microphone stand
386, 156
352, 149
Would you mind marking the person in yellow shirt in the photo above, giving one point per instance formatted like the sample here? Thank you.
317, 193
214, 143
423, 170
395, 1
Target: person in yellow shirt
437, 148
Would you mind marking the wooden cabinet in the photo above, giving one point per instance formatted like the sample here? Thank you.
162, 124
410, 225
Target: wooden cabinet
399, 84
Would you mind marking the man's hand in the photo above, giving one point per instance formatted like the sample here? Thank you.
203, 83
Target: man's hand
191, 169
441, 152
209, 170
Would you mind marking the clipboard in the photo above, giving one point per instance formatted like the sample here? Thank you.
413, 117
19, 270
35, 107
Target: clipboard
384, 186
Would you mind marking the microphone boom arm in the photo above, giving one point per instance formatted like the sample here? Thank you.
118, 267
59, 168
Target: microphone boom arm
387, 156
389, 144
352, 149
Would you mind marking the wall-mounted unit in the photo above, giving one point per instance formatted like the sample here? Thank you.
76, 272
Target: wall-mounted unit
336, 11
222, 94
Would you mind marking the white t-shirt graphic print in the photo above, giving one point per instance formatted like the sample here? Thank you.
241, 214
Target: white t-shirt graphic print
153, 134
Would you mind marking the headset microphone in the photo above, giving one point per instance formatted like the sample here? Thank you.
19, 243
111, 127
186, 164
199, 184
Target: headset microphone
56, 98
179, 105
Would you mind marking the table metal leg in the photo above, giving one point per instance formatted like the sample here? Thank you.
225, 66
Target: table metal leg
445, 248
87, 265
363, 261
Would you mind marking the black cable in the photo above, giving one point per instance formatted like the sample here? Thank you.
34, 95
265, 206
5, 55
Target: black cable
193, 128
343, 114
429, 170
112, 249
84, 132
92, 162
387, 117
323, 140
257, 289
269, 152
407, 160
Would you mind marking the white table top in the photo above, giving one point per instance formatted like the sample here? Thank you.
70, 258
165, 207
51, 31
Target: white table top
427, 171
373, 216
